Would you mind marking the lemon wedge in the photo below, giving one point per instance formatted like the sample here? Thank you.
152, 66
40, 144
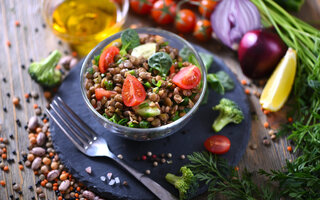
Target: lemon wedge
278, 87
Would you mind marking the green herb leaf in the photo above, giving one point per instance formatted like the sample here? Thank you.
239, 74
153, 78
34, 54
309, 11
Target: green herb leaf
207, 60
225, 80
96, 59
160, 61
176, 116
184, 53
192, 59
133, 125
108, 84
144, 124
164, 44
147, 84
90, 70
215, 84
129, 39
123, 121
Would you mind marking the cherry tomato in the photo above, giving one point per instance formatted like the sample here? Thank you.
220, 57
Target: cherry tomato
133, 92
203, 30
107, 57
100, 92
142, 6
217, 144
163, 11
185, 21
188, 77
206, 7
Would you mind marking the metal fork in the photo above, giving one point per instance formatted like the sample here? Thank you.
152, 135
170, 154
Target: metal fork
89, 143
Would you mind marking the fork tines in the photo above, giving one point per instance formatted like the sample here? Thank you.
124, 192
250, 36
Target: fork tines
71, 125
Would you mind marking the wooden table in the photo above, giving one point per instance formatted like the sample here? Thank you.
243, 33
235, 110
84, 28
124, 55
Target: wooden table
33, 41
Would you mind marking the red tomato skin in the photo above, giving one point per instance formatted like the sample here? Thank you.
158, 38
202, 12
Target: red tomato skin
172, 69
202, 30
142, 7
107, 57
206, 7
185, 21
188, 77
163, 11
217, 144
100, 92
133, 92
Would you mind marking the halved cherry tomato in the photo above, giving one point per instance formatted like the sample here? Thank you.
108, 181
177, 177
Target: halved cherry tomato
142, 6
107, 57
206, 7
203, 30
100, 92
217, 144
172, 69
164, 11
133, 92
188, 77
185, 20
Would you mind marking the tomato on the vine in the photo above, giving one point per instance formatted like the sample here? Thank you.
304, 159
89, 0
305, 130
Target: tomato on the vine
107, 57
203, 30
217, 144
206, 7
142, 6
163, 11
185, 20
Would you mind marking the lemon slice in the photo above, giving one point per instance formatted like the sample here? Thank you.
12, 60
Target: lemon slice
279, 85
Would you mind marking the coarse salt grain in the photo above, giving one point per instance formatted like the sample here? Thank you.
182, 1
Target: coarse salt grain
109, 175
117, 180
103, 178
112, 182
88, 170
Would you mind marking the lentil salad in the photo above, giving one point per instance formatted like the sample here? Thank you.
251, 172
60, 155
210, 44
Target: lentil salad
142, 82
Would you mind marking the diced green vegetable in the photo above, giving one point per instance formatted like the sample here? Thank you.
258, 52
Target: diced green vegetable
160, 61
44, 72
90, 70
176, 116
144, 124
108, 84
145, 110
145, 50
147, 84
132, 72
96, 59
133, 125
185, 101
123, 121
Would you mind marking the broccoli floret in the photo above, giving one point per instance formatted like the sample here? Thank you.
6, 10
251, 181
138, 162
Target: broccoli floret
229, 113
44, 72
187, 184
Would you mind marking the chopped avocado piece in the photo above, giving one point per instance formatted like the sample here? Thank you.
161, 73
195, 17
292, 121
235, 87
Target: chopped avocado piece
145, 50
145, 110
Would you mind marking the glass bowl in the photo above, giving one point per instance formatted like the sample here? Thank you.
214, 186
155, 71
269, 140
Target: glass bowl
84, 43
143, 134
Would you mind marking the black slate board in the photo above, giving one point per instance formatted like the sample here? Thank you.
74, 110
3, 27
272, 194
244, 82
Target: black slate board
186, 141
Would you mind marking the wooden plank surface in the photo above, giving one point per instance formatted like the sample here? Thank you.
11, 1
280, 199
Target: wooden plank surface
33, 41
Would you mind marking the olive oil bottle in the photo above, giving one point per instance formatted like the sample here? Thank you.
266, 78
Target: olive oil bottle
84, 23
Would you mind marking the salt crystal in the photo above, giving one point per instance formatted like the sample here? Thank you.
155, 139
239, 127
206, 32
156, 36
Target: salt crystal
112, 182
88, 170
103, 178
109, 175
117, 180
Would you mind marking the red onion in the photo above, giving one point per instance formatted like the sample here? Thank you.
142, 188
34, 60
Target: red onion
232, 19
259, 52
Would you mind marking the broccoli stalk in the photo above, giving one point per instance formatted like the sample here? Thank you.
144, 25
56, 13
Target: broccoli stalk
229, 113
187, 184
44, 72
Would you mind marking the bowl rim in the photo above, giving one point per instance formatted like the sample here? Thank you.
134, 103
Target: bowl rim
112, 38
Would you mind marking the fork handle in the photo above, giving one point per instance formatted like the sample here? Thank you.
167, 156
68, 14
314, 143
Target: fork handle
154, 187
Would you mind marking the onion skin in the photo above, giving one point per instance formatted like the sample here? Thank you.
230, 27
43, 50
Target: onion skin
259, 53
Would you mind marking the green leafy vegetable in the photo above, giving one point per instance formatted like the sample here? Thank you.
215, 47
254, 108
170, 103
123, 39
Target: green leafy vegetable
291, 5
44, 72
187, 183
133, 125
207, 60
164, 44
132, 72
160, 61
123, 121
129, 39
184, 53
192, 59
96, 59
90, 70
225, 80
144, 124
176, 116
215, 83
147, 84
229, 113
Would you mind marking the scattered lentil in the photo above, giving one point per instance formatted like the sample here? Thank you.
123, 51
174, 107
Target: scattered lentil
15, 101
149, 153
273, 137
253, 146
148, 171
169, 155
182, 157
247, 91
266, 142
155, 163
120, 156
125, 183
